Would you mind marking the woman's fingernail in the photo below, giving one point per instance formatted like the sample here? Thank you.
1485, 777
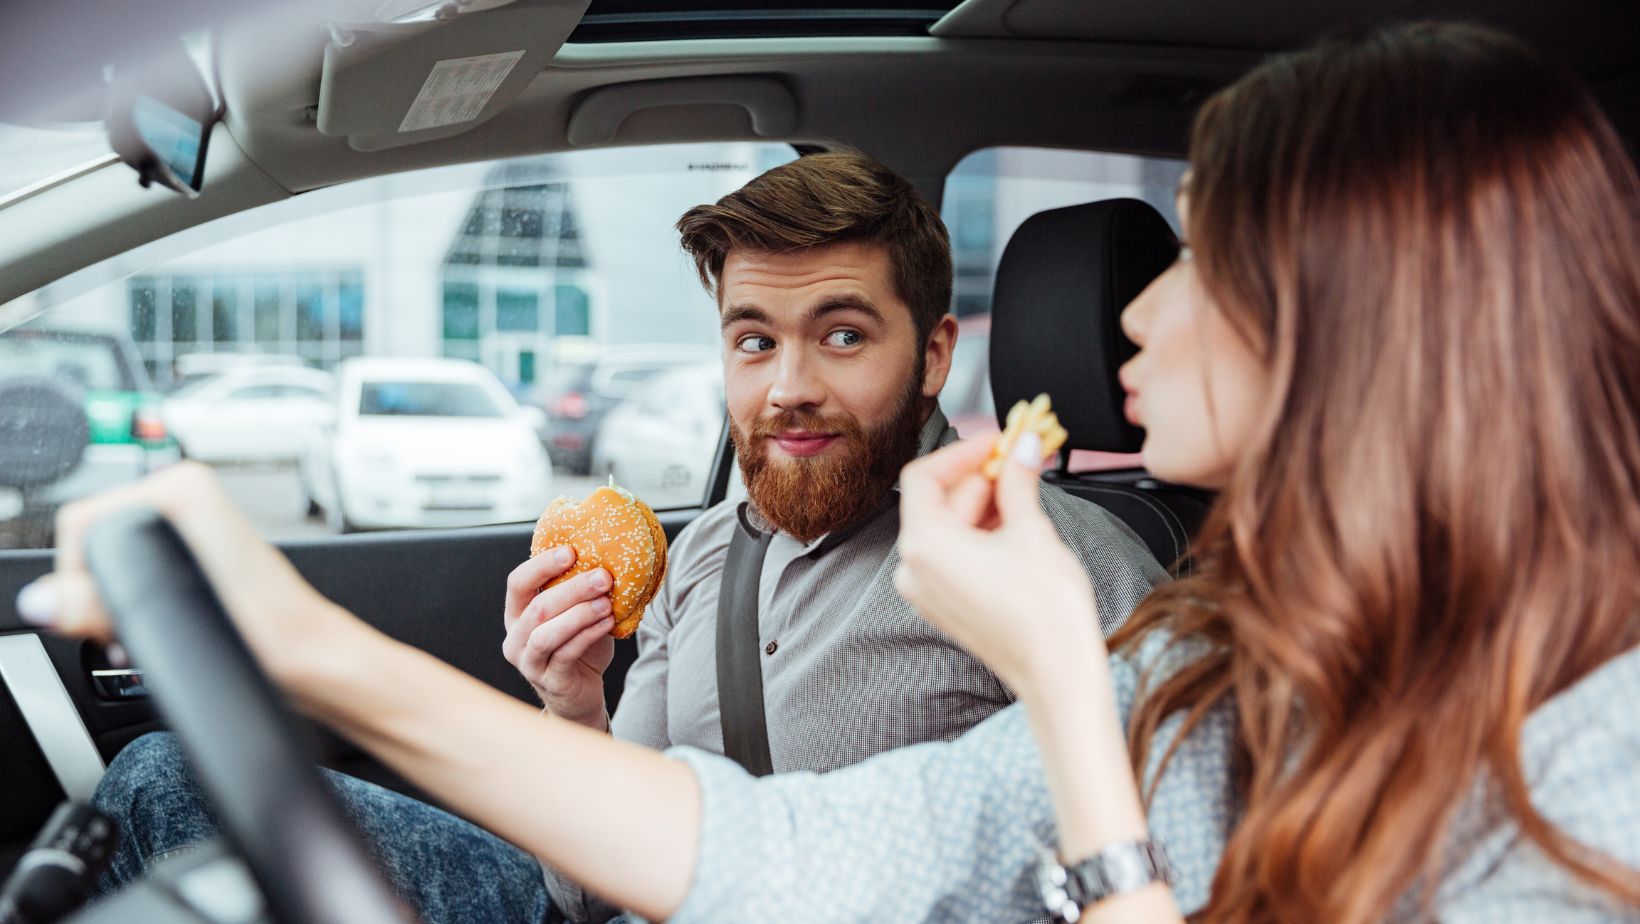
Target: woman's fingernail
563, 555
117, 658
1028, 450
37, 604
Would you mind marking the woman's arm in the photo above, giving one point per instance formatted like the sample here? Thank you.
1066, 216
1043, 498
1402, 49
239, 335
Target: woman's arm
1085, 760
619, 818
982, 561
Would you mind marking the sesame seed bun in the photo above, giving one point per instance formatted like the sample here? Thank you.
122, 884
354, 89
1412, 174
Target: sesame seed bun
615, 531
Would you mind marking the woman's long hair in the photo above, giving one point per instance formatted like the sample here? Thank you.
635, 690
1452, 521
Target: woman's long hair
1430, 233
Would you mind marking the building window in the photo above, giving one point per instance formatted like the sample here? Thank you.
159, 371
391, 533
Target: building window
317, 316
572, 311
517, 310
460, 311
517, 266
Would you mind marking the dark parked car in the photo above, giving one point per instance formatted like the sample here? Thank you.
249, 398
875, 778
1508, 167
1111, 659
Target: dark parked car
577, 395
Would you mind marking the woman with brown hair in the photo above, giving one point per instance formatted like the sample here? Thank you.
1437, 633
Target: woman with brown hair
1404, 345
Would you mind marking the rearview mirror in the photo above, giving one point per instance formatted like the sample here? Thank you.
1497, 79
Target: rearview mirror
160, 116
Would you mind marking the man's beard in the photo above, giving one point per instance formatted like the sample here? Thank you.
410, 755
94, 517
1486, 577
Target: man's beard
809, 497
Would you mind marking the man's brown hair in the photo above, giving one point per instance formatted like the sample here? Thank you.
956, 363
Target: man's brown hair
831, 198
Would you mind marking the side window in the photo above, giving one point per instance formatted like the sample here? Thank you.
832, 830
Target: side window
988, 195
469, 314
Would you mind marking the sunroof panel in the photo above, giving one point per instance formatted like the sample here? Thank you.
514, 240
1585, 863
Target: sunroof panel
643, 20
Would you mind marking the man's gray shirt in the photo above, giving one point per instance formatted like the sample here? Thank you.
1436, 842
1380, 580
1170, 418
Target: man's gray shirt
849, 668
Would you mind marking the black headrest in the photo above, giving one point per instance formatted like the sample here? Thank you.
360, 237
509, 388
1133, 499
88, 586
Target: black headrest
1063, 281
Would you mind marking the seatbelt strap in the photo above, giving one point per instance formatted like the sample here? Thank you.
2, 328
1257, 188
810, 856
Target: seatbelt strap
739, 662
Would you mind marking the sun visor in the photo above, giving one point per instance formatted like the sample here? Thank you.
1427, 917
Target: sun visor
387, 84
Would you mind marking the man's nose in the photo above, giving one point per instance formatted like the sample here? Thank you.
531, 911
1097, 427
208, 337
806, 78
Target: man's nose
797, 383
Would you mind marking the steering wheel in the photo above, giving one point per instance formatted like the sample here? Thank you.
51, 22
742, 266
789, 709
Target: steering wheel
243, 743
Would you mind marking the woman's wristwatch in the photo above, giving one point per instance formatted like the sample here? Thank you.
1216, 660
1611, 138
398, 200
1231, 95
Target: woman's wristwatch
1124, 867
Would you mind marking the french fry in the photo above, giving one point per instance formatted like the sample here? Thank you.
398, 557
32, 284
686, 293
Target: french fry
1036, 417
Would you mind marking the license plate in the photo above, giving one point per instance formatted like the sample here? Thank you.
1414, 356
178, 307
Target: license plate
458, 500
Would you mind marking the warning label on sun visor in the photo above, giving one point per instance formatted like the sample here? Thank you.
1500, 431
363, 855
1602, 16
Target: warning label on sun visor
457, 90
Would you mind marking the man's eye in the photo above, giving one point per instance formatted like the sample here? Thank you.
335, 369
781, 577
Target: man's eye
754, 343
844, 338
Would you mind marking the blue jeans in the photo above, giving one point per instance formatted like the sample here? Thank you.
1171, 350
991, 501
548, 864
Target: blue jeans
447, 869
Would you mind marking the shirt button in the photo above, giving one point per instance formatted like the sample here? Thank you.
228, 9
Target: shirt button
771, 648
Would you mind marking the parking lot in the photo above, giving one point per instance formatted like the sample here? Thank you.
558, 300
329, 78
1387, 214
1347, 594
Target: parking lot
272, 496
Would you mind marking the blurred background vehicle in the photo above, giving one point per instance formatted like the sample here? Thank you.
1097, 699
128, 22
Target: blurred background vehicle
256, 413
659, 443
578, 392
423, 442
86, 418
191, 368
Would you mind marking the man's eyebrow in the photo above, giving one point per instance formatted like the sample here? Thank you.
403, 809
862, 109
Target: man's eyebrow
735, 313
850, 302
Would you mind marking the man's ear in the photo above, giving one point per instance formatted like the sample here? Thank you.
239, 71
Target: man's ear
937, 355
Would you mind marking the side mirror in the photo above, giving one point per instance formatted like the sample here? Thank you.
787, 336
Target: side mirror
160, 117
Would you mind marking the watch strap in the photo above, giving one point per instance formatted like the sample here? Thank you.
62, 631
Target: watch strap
1118, 868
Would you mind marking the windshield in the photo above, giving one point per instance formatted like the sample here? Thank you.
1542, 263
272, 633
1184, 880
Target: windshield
549, 277
427, 399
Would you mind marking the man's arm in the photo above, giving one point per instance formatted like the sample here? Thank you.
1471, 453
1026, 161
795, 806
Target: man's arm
1118, 564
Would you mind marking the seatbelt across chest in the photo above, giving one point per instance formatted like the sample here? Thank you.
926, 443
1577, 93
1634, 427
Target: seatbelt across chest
739, 667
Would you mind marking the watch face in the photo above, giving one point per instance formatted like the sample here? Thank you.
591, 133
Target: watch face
1125, 871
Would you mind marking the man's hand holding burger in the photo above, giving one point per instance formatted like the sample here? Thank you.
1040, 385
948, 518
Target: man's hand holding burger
559, 638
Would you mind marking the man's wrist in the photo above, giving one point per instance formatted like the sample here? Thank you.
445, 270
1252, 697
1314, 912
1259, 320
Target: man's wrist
596, 719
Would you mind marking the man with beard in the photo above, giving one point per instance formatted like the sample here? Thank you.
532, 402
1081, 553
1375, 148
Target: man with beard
832, 277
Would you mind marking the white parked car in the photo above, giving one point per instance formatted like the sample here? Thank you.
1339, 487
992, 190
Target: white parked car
424, 442
659, 443
259, 413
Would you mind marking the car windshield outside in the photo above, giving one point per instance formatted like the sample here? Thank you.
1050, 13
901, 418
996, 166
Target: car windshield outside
426, 399
557, 276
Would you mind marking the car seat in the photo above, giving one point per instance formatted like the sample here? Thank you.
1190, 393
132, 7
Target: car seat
1061, 285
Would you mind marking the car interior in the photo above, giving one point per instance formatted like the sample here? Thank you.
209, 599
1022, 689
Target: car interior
317, 95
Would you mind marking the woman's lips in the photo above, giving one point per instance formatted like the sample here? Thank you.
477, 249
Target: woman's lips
802, 445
